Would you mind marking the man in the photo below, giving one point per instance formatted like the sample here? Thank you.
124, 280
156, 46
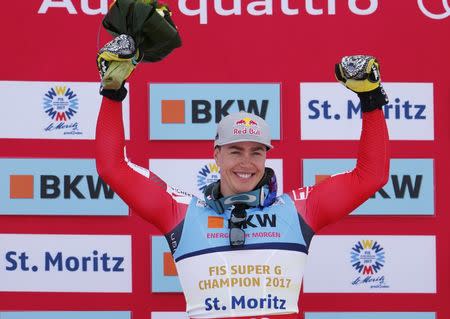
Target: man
245, 272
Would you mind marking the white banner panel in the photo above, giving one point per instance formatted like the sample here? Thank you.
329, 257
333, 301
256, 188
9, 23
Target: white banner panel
371, 263
329, 111
193, 175
52, 110
65, 263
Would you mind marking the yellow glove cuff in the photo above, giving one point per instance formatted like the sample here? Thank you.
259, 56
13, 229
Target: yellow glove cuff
117, 73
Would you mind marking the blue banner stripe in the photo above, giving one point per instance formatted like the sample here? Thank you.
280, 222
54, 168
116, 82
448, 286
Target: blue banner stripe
409, 190
279, 246
161, 283
201, 105
57, 187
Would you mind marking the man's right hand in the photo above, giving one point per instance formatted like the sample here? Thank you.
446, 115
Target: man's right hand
115, 62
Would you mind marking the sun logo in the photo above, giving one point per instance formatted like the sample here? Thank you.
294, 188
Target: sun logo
60, 103
367, 257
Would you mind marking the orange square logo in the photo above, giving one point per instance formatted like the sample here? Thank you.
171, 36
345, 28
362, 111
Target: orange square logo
215, 222
169, 265
21, 186
320, 178
172, 111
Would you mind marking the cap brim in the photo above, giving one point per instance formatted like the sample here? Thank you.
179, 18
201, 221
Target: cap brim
269, 146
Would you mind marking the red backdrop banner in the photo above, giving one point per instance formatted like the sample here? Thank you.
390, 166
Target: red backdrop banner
273, 41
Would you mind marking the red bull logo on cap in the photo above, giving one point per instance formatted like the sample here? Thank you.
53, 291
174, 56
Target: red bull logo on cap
250, 127
246, 121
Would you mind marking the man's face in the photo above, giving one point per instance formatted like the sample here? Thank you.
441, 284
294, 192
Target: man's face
241, 165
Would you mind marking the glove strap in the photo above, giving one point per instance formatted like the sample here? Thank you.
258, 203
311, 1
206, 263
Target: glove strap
116, 95
373, 100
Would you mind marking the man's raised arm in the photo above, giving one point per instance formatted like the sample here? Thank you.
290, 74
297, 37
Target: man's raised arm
340, 194
143, 191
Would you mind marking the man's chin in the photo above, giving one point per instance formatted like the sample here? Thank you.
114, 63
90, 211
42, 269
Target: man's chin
245, 188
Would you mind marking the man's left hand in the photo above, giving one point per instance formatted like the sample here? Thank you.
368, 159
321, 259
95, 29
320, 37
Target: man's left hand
361, 74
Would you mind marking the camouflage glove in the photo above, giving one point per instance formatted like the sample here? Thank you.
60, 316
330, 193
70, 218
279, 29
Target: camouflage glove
361, 74
115, 62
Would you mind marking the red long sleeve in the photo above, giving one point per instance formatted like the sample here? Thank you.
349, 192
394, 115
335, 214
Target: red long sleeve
339, 195
320, 205
145, 195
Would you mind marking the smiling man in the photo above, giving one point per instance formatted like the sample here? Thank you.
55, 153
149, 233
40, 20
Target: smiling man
241, 251
241, 166
240, 151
